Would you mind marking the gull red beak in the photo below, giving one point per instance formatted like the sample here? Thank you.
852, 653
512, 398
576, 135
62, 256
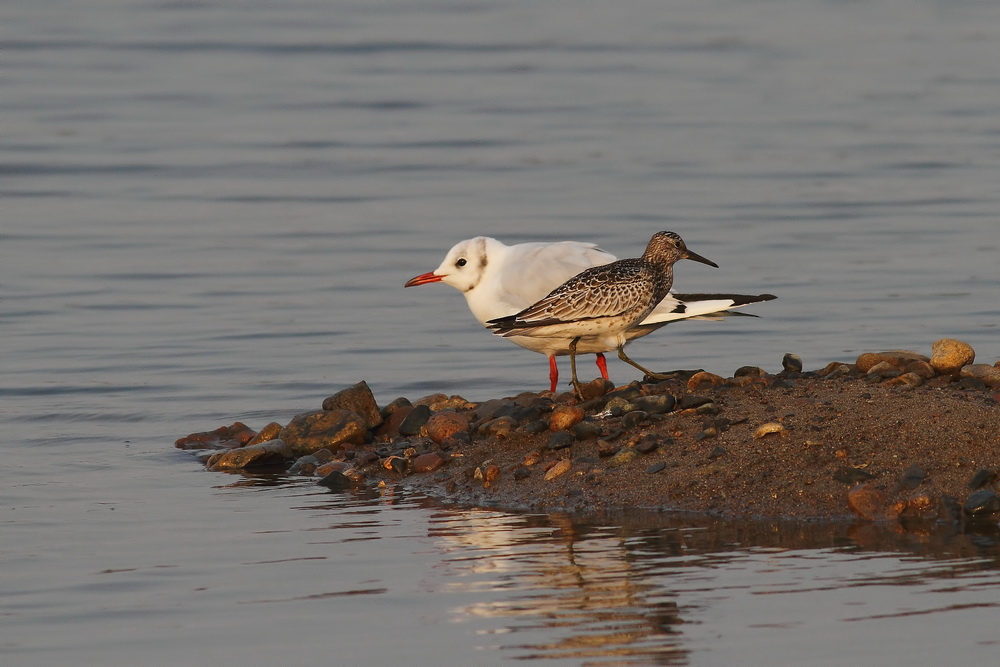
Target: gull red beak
423, 279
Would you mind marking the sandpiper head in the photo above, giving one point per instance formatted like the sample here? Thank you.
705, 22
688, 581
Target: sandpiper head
669, 247
462, 267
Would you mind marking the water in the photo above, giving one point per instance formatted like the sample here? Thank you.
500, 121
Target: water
209, 209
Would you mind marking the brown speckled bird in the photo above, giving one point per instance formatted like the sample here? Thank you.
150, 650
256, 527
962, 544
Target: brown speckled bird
603, 301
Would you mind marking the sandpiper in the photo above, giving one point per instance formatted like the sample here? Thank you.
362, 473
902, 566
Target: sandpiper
497, 279
603, 303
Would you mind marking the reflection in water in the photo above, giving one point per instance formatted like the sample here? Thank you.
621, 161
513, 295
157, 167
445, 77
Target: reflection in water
643, 589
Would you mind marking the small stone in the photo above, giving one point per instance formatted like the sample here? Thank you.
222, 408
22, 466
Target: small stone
389, 428
500, 427
440, 402
561, 440
531, 458
336, 481
920, 504
906, 380
691, 401
921, 368
883, 369
704, 377
415, 420
850, 475
428, 462
982, 503
647, 444
225, 437
791, 363
768, 429
655, 405
780, 383
443, 425
396, 464
656, 467
912, 478
536, 427
325, 429
269, 432
586, 430
705, 434
304, 465
835, 367
327, 468
272, 452
633, 419
565, 417
624, 456
521, 472
561, 467
606, 449
897, 358
983, 477
948, 356
595, 389
750, 372
988, 375
717, 452
618, 406
358, 399
708, 409
866, 501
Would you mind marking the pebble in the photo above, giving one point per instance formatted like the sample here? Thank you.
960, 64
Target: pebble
626, 455
866, 501
749, 372
705, 434
618, 406
565, 417
304, 465
415, 420
522, 472
445, 424
531, 458
329, 429
272, 452
561, 440
982, 503
500, 427
647, 444
586, 430
269, 432
906, 380
606, 449
336, 481
396, 464
236, 435
692, 401
988, 375
708, 409
791, 363
912, 478
656, 467
897, 358
536, 427
633, 419
428, 462
717, 452
561, 467
327, 468
948, 356
704, 377
655, 405
767, 429
983, 477
358, 399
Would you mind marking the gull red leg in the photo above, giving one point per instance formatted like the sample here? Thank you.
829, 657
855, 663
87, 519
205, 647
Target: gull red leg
602, 364
553, 374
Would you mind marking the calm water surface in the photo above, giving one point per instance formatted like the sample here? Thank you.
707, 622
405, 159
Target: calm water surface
207, 213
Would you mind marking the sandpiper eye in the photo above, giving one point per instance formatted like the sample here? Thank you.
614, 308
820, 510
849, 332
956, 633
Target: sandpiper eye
460, 263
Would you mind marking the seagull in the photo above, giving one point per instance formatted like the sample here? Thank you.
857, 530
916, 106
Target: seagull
499, 279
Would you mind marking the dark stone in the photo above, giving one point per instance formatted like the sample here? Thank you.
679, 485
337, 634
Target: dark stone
304, 465
364, 458
522, 472
428, 462
912, 478
561, 440
415, 420
500, 427
634, 419
656, 467
358, 399
749, 371
336, 481
655, 405
780, 383
536, 427
982, 503
717, 452
791, 363
647, 444
605, 448
692, 401
586, 430
708, 409
850, 475
983, 477
396, 464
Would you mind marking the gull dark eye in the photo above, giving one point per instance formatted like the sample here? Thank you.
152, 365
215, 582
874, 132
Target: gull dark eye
460, 263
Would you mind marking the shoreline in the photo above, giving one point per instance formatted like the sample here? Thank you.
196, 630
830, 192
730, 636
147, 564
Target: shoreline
889, 437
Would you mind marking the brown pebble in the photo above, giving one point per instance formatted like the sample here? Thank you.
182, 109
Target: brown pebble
428, 462
443, 425
768, 429
988, 375
490, 474
866, 501
566, 417
898, 359
532, 458
704, 377
559, 468
949, 355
